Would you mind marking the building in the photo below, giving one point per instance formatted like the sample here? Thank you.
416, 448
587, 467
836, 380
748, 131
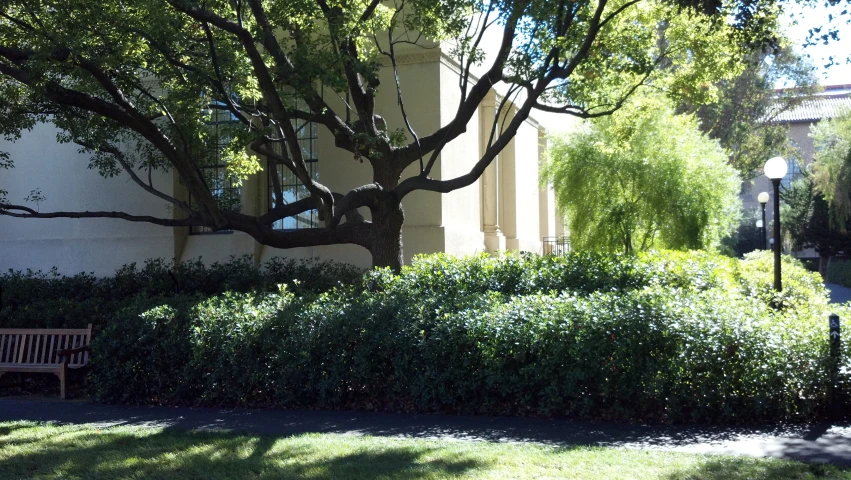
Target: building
506, 209
834, 100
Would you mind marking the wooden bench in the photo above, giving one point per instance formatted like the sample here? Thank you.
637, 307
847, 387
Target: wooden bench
31, 350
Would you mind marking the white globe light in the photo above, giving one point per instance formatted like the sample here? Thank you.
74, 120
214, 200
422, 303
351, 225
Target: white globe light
762, 197
775, 168
759, 224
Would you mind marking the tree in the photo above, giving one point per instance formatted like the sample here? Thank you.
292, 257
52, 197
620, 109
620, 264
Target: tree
136, 84
644, 177
805, 214
832, 165
746, 238
742, 117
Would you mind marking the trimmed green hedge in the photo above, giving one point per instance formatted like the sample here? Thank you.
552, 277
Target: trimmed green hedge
48, 299
668, 337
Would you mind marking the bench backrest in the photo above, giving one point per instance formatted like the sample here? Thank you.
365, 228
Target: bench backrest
42, 346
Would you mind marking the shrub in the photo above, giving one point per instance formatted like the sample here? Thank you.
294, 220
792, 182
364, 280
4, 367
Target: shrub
48, 299
672, 337
802, 289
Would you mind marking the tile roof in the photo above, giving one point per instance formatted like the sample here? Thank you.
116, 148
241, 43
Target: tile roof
827, 106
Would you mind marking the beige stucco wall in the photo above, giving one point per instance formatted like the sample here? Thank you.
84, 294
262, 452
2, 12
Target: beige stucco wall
76, 245
461, 219
526, 190
452, 222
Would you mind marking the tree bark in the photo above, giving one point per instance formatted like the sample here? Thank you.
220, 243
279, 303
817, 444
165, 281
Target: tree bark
386, 242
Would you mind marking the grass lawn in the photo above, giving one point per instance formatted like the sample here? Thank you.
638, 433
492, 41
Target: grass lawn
40, 451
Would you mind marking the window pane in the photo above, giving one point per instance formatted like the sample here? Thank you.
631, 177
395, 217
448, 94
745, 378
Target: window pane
291, 188
223, 187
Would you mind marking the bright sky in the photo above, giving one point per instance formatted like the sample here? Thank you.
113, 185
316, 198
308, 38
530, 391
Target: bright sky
798, 23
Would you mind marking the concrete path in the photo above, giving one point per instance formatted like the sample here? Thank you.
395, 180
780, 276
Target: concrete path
838, 293
811, 443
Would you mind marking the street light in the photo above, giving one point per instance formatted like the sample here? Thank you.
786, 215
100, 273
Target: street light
775, 169
762, 198
759, 226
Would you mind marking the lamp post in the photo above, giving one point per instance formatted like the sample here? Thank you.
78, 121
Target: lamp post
762, 198
775, 169
760, 226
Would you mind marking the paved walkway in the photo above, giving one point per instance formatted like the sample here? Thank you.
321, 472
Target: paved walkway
811, 443
838, 293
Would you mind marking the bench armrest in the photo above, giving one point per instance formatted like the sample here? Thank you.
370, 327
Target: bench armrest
71, 351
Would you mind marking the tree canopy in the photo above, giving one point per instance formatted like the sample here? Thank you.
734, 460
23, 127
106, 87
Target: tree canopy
805, 217
644, 177
742, 117
831, 166
137, 84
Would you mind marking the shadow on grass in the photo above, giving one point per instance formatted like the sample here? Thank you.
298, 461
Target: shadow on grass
746, 468
108, 454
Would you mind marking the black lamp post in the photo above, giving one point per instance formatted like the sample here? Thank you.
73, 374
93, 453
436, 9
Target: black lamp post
762, 198
775, 169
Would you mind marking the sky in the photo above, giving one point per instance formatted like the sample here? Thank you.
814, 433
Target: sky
799, 20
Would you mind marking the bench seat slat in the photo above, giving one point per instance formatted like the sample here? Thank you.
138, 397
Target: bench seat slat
22, 348
43, 348
10, 347
34, 357
29, 356
13, 348
50, 350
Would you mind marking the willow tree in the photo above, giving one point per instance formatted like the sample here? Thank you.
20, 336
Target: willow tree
643, 178
133, 82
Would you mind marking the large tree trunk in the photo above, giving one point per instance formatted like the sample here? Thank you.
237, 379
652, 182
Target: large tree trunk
386, 244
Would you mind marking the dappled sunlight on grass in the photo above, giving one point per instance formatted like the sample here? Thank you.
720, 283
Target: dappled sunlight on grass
40, 451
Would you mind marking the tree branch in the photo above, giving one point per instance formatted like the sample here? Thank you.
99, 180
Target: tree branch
435, 142
269, 92
130, 119
218, 80
358, 233
20, 211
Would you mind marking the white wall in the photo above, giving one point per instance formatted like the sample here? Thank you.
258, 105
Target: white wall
76, 245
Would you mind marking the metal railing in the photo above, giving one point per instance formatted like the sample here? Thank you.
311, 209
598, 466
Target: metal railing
556, 245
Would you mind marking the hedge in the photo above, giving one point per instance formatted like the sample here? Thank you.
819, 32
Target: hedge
48, 299
662, 337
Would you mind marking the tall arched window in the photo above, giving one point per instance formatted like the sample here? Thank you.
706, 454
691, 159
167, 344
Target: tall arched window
291, 188
223, 186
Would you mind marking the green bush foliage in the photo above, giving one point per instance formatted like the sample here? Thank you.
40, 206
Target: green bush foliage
839, 272
662, 336
48, 299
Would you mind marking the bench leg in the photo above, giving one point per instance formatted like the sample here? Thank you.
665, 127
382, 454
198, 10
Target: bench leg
63, 376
